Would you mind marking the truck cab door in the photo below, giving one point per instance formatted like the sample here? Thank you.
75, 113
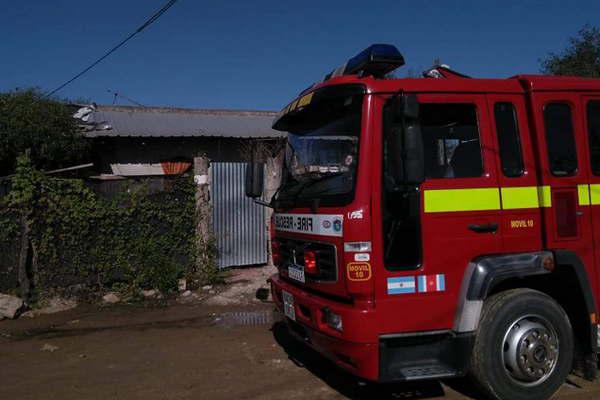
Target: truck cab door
461, 209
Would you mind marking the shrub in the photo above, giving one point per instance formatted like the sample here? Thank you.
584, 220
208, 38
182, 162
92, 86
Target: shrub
29, 121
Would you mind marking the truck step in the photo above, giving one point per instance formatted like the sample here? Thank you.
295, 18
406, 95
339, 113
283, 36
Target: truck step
432, 371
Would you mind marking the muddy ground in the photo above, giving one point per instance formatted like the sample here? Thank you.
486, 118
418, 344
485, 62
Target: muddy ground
184, 352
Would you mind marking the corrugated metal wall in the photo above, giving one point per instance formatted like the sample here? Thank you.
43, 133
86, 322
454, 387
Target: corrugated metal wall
238, 223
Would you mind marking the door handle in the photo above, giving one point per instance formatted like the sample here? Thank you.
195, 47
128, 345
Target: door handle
484, 228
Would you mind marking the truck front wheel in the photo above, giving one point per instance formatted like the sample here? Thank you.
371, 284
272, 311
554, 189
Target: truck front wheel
523, 348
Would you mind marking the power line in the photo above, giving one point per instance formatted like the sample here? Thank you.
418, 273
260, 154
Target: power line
146, 24
119, 94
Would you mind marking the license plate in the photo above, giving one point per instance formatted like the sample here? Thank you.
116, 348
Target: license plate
288, 305
296, 272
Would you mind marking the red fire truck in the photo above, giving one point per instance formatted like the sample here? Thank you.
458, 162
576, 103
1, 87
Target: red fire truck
443, 226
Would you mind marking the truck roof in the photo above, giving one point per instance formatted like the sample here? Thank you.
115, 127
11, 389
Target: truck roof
515, 84
518, 84
536, 83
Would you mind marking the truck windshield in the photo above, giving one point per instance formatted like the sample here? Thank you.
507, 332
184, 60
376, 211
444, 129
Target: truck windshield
322, 151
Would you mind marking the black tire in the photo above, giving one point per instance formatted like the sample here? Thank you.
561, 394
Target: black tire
509, 335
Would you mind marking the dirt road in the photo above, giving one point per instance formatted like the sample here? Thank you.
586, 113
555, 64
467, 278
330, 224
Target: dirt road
183, 352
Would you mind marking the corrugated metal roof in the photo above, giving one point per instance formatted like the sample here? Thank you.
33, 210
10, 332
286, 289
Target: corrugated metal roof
177, 122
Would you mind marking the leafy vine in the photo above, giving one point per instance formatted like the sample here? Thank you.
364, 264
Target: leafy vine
138, 239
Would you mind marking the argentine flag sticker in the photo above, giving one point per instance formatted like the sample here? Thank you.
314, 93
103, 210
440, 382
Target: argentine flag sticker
401, 285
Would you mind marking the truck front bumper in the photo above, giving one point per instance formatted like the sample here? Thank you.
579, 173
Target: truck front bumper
362, 351
355, 348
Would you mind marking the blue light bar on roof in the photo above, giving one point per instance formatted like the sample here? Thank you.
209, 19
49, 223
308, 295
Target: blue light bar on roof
376, 60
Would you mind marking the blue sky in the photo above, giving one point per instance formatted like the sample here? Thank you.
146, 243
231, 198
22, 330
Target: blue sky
260, 54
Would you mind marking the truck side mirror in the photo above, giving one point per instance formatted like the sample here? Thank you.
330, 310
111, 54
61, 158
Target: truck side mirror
254, 180
414, 164
405, 144
404, 107
410, 107
413, 159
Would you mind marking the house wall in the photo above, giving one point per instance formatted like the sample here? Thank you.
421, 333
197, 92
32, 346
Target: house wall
151, 150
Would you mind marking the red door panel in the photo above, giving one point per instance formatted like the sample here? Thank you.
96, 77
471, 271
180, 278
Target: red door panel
568, 222
590, 107
452, 239
521, 217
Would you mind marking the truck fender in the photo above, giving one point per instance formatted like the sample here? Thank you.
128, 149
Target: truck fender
484, 273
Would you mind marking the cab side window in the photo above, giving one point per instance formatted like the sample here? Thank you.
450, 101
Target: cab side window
509, 142
593, 120
560, 142
451, 140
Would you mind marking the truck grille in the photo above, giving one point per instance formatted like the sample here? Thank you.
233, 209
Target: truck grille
292, 252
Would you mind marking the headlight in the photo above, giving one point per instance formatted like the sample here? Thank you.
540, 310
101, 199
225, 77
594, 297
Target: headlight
332, 319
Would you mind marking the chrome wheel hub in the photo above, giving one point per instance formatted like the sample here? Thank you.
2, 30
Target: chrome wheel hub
530, 350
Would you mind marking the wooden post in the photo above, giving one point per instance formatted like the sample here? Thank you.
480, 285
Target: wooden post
205, 265
272, 182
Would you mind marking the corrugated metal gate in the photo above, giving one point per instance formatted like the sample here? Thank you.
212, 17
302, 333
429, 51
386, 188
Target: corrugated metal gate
238, 223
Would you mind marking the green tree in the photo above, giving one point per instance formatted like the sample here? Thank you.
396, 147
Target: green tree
42, 126
580, 58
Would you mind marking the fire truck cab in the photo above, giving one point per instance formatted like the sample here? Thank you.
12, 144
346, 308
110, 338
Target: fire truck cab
442, 226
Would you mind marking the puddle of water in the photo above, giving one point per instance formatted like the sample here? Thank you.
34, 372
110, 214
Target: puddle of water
246, 318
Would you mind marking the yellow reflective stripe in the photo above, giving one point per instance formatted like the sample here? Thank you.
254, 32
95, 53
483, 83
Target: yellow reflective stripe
583, 193
545, 196
305, 100
447, 200
520, 197
595, 194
